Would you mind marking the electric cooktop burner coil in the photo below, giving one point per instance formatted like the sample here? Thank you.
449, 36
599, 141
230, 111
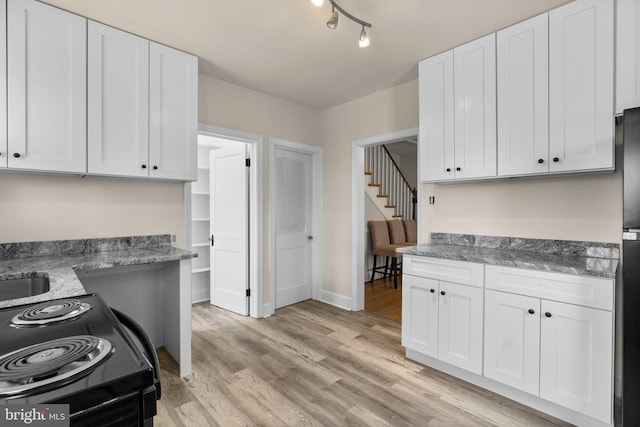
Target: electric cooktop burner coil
50, 311
50, 362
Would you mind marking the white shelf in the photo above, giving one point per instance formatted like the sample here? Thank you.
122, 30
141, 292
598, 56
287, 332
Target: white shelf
199, 219
199, 245
199, 193
200, 270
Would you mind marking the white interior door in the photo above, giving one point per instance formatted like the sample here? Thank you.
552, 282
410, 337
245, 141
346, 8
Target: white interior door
293, 226
229, 228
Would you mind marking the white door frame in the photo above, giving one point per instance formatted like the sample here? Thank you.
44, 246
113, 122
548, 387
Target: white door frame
316, 208
256, 210
357, 207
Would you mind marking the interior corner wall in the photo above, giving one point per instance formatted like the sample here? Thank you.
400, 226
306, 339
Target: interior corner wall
375, 114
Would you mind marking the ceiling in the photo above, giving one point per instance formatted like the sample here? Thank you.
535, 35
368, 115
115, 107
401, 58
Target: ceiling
283, 47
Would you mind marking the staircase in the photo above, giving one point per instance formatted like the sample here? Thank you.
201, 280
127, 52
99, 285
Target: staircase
386, 186
380, 200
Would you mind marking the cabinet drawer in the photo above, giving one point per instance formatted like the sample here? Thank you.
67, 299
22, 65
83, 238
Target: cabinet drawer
465, 273
581, 290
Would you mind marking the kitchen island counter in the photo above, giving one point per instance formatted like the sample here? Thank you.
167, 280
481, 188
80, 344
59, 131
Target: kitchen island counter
60, 260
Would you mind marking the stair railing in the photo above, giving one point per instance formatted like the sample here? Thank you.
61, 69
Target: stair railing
386, 172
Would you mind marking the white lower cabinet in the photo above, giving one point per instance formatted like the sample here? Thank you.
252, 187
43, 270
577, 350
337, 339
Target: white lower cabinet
443, 320
460, 326
512, 340
547, 338
576, 358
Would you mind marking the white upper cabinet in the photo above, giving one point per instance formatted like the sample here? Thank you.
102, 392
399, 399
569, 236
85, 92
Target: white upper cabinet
458, 113
581, 135
628, 55
173, 104
3, 88
475, 108
118, 102
523, 98
47, 88
436, 117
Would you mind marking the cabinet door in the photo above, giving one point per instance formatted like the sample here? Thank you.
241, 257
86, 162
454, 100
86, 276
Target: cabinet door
420, 314
628, 55
436, 118
523, 97
118, 102
576, 363
47, 88
512, 340
173, 103
581, 133
475, 108
3, 87
460, 327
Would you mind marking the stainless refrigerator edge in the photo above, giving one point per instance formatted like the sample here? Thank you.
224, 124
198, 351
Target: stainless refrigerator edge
631, 269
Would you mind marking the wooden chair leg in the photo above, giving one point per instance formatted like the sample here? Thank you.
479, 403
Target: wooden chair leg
373, 272
394, 267
386, 267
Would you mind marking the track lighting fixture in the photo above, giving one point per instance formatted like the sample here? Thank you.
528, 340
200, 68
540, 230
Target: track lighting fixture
332, 22
364, 38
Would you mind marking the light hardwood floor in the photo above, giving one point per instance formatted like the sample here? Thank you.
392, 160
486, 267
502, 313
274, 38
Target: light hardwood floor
317, 365
383, 299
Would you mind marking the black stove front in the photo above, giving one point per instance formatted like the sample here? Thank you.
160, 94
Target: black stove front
75, 351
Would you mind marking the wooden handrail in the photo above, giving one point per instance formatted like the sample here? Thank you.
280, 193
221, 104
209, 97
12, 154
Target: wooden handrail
406, 181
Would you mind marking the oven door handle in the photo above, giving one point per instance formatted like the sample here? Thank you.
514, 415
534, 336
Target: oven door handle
146, 343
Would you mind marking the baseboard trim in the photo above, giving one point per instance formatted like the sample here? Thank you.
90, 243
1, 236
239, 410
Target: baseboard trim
337, 300
267, 310
199, 295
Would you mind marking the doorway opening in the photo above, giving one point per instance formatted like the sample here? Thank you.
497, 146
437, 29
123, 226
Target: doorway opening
361, 241
225, 221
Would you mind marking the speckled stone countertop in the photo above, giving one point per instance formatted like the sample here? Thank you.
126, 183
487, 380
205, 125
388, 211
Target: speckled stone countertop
560, 256
59, 260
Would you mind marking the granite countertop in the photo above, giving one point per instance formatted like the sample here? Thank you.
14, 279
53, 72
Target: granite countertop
59, 260
570, 257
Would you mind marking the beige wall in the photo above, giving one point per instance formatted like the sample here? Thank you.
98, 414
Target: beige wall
379, 113
58, 207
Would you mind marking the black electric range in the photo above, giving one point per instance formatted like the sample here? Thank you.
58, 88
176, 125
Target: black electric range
75, 351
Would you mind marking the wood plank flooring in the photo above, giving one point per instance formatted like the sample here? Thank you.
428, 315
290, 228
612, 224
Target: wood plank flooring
382, 299
313, 364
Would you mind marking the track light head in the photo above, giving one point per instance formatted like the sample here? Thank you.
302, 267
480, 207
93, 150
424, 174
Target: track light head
364, 38
317, 3
332, 23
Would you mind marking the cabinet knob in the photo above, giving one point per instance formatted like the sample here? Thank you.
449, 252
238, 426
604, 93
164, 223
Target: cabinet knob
547, 314
458, 169
144, 166
556, 160
540, 161
448, 169
432, 290
155, 167
16, 155
442, 292
531, 311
